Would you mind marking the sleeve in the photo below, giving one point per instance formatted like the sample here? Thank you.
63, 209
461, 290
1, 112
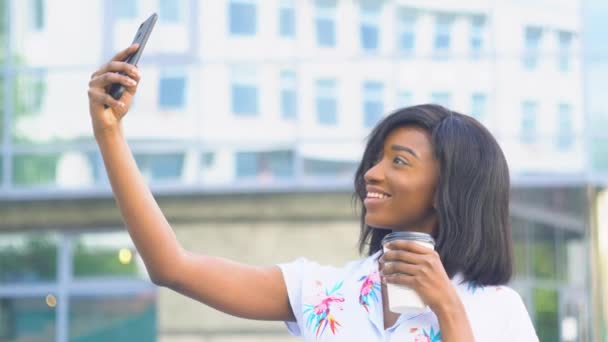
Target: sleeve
519, 325
294, 274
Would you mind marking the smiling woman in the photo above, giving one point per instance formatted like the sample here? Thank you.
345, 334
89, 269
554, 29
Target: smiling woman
425, 169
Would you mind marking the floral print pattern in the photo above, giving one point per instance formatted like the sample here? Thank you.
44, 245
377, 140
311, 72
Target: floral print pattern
319, 316
370, 290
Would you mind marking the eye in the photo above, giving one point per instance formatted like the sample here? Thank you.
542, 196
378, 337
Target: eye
399, 160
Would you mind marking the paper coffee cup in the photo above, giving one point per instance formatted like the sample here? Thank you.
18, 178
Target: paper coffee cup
402, 299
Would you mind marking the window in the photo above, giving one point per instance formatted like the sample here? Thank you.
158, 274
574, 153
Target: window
244, 92
288, 95
160, 167
406, 27
373, 102
37, 15
478, 105
287, 18
443, 25
405, 99
477, 30
265, 165
441, 98
329, 168
565, 135
325, 23
370, 26
35, 169
532, 47
326, 101
528, 122
172, 91
125, 9
171, 11
243, 17
565, 43
30, 269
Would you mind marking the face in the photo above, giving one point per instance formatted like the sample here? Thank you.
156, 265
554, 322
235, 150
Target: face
401, 185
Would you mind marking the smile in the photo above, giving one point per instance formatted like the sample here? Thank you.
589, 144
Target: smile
377, 195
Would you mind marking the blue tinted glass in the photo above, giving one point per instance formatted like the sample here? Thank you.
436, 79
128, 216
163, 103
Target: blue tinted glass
244, 99
327, 111
478, 106
326, 35
373, 112
406, 41
369, 36
125, 9
172, 92
442, 33
280, 163
442, 99
288, 103
246, 164
287, 22
242, 18
161, 167
169, 10
528, 122
565, 135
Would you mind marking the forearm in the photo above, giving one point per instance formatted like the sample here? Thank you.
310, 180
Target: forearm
153, 237
454, 323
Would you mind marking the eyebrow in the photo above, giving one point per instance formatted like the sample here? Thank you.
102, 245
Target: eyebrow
404, 149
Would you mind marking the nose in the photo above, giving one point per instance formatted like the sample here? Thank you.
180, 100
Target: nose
375, 174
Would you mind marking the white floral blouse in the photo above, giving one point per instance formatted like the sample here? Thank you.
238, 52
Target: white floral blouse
345, 304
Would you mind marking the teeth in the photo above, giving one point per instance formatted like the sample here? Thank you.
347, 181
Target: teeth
376, 195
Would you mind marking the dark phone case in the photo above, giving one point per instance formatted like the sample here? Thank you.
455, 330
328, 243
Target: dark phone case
141, 37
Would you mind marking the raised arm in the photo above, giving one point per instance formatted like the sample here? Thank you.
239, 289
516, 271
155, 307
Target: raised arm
237, 289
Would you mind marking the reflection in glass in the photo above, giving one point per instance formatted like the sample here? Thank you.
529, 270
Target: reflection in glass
161, 167
110, 254
116, 319
28, 258
30, 95
544, 252
265, 165
26, 319
35, 169
546, 313
520, 247
329, 168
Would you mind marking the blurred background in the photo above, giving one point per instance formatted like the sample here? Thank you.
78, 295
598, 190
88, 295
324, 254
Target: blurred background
249, 122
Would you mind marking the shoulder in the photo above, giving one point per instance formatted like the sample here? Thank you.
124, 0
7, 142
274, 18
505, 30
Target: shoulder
304, 268
495, 311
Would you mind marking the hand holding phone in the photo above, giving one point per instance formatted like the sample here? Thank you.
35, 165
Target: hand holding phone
141, 37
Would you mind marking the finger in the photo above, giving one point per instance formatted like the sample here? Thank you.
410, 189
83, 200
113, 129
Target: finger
403, 256
122, 55
401, 279
101, 97
104, 80
400, 267
116, 66
409, 245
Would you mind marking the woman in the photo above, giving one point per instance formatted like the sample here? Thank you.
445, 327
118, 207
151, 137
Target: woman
424, 169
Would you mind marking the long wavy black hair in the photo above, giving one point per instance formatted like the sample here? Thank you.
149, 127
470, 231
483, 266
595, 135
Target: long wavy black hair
473, 235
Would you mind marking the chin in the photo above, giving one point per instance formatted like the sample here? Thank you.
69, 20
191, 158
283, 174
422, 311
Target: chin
378, 225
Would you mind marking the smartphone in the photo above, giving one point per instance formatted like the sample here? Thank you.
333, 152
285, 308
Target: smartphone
141, 37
